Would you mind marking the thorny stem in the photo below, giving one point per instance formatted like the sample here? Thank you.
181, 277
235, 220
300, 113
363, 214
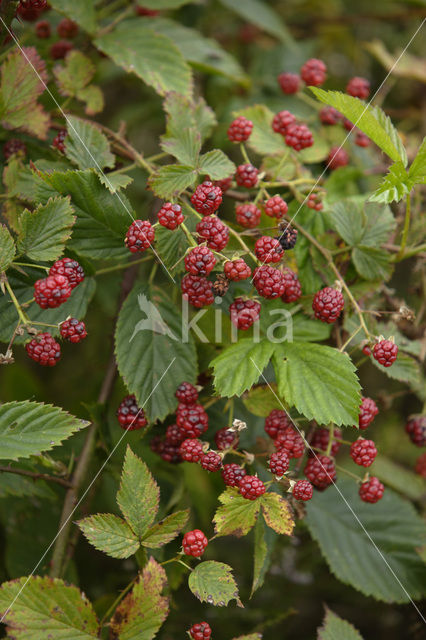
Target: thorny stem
37, 476
24, 320
348, 473
406, 228
188, 235
244, 153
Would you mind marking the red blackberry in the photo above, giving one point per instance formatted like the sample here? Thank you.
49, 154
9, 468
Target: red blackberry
237, 270
416, 429
30, 10
13, 147
314, 202
147, 13
43, 29
313, 72
186, 393
293, 289
328, 304
59, 49
67, 28
73, 330
197, 290
140, 236
248, 215
246, 176
367, 412
337, 157
194, 543
347, 124
358, 88
224, 184
130, 416
169, 452
232, 474
240, 129
175, 435
299, 136
291, 441
207, 198
200, 631
69, 268
226, 439
52, 291
211, 461
59, 140
363, 452
244, 313
44, 349
329, 115
268, 249
321, 439
289, 82
275, 207
251, 487
170, 215
282, 121
276, 422
361, 140
279, 463
214, 232
269, 282
320, 471
366, 350
372, 490
288, 237
420, 467
192, 419
385, 352
200, 261
303, 490
191, 450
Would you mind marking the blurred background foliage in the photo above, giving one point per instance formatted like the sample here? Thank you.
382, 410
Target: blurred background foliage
353, 39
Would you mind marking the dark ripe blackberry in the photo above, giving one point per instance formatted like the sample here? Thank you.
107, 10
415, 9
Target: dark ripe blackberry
130, 416
226, 439
186, 393
288, 238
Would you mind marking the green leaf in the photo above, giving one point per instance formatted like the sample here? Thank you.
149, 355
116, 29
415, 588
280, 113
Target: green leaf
239, 366
23, 287
184, 145
81, 11
183, 112
152, 354
320, 381
115, 182
334, 628
166, 530
44, 231
163, 4
236, 516
202, 53
309, 330
405, 369
86, 146
395, 186
45, 608
417, 171
172, 244
251, 636
260, 400
7, 248
394, 526
29, 428
19, 486
263, 139
75, 74
214, 583
216, 165
372, 263
110, 534
347, 219
139, 495
263, 16
169, 181
102, 218
277, 513
141, 613
371, 120
316, 153
19, 89
93, 97
402, 480
379, 224
154, 58
263, 538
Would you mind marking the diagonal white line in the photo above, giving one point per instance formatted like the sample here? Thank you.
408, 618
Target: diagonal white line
83, 496
343, 498
350, 133
70, 125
